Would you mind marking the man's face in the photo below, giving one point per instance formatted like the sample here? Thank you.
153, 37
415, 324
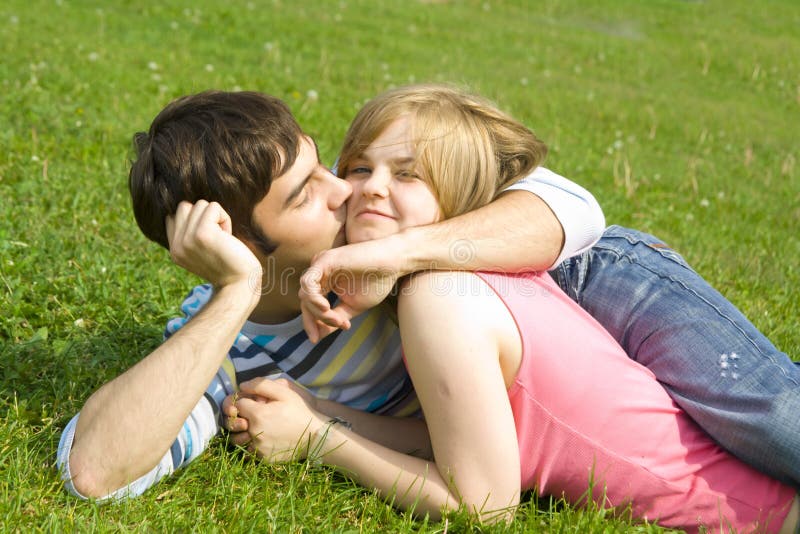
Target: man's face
303, 212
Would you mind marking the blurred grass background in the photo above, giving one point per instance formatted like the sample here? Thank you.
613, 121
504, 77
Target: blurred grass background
680, 116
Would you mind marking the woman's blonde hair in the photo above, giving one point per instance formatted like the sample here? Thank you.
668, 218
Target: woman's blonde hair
467, 150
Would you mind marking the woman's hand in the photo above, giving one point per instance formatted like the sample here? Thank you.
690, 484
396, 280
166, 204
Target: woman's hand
273, 419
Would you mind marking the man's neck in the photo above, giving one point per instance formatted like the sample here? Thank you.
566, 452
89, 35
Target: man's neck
278, 304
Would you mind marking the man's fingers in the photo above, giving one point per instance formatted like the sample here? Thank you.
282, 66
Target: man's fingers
169, 226
224, 220
237, 424
214, 216
194, 217
176, 224
229, 406
271, 389
241, 439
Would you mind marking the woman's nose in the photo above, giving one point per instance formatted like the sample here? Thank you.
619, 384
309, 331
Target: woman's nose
378, 183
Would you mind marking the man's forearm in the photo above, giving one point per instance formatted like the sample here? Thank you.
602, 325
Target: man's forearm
516, 231
127, 425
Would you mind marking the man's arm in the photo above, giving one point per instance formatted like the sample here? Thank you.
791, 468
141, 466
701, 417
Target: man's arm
198, 430
126, 426
543, 219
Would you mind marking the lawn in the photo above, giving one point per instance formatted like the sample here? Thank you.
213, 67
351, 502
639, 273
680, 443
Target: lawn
680, 116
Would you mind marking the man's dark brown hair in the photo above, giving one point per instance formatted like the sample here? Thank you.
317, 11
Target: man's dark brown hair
217, 146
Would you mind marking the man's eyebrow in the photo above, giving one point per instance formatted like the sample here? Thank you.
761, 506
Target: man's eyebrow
296, 191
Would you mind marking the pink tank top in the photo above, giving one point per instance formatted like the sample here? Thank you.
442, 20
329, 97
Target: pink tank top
588, 416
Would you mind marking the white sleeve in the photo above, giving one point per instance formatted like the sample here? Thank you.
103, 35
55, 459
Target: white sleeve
201, 425
575, 208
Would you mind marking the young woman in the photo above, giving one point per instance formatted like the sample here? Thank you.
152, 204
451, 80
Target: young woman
521, 389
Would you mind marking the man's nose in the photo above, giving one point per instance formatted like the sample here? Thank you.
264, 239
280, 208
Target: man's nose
339, 191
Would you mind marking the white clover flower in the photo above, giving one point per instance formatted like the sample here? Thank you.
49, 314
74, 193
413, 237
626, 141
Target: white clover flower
152, 65
312, 94
705, 203
209, 67
93, 56
79, 323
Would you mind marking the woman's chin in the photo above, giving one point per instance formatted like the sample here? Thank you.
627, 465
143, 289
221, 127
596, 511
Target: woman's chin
358, 235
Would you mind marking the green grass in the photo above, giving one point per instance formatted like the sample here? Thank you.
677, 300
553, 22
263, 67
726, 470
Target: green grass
681, 117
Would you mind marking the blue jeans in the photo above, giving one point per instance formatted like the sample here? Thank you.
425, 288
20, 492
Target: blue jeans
716, 365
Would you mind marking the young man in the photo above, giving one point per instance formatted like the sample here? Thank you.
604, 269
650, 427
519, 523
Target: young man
248, 206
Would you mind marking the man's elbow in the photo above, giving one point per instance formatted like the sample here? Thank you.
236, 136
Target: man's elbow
86, 480
597, 221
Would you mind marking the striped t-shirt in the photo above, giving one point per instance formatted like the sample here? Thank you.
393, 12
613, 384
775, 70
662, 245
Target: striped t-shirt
361, 367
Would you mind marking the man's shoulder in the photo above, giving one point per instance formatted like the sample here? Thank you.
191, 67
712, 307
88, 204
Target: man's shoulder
196, 299
193, 303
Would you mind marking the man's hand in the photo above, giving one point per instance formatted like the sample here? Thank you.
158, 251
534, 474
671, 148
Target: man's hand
235, 423
280, 423
201, 241
362, 275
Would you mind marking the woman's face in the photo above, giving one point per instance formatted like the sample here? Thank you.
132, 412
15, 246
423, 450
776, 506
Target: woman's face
388, 194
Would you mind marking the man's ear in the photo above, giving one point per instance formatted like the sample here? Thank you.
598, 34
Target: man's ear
258, 242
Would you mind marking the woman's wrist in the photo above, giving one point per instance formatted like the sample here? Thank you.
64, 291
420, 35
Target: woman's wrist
326, 436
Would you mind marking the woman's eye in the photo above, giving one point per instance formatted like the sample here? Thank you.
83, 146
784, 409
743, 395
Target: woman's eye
407, 174
358, 170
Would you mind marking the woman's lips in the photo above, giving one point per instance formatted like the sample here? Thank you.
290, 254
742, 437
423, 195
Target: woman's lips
373, 214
